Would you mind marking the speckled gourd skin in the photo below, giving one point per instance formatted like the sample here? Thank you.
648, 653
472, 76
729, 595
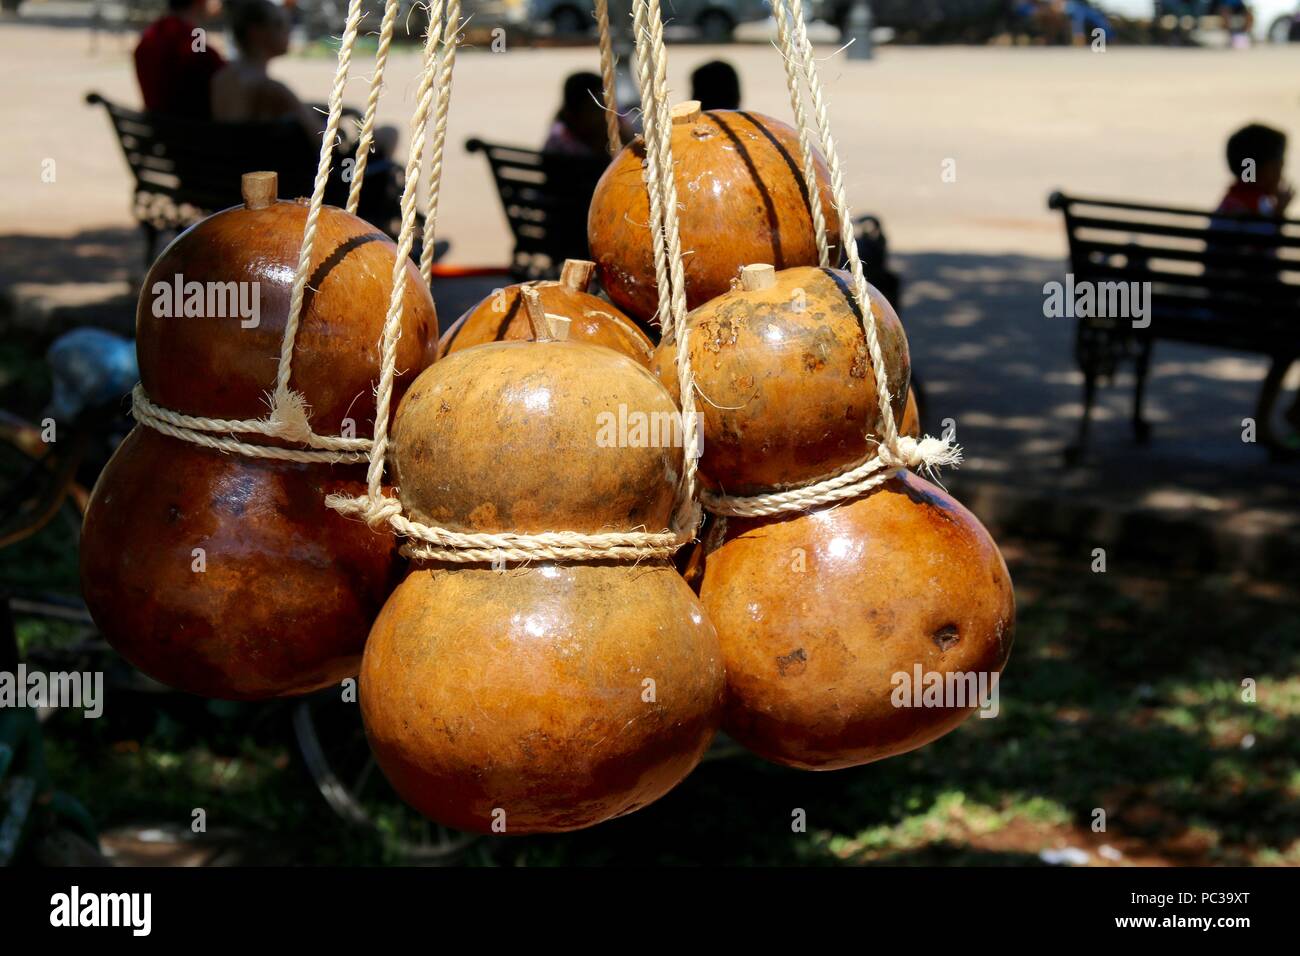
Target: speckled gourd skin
786, 393
505, 437
817, 612
741, 199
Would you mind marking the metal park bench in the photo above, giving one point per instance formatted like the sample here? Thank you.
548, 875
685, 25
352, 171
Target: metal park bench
545, 198
1223, 282
185, 169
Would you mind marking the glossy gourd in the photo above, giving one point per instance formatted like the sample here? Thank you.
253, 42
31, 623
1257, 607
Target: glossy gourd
551, 695
225, 575
826, 618
785, 389
741, 198
501, 316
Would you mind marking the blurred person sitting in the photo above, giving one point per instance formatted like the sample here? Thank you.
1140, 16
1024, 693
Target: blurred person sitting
174, 63
1256, 157
242, 90
579, 127
716, 85
1062, 21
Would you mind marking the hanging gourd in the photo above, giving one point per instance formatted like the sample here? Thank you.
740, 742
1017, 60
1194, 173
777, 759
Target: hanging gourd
743, 199
862, 611
209, 561
553, 695
824, 607
838, 624
501, 316
783, 366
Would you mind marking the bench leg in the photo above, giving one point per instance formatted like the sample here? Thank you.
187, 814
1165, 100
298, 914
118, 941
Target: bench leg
1141, 428
1269, 391
1074, 453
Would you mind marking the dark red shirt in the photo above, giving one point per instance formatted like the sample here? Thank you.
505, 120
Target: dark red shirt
1249, 199
174, 76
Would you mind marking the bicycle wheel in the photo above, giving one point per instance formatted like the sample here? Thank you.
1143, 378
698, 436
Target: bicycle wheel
333, 746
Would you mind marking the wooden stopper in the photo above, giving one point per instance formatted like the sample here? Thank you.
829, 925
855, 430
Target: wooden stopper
259, 189
576, 274
559, 326
758, 275
536, 315
687, 112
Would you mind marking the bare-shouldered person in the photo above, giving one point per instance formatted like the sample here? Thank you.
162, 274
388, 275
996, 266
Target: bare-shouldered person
242, 90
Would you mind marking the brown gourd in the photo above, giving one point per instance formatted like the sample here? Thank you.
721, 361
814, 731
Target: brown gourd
224, 575
741, 198
824, 618
819, 611
781, 366
501, 316
551, 695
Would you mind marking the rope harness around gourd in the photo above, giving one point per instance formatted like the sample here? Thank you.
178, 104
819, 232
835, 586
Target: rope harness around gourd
288, 419
893, 452
426, 542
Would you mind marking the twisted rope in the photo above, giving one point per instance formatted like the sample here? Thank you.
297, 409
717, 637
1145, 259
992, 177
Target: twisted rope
440, 544
607, 77
426, 542
894, 452
348, 41
198, 430
405, 240
661, 186
927, 453
805, 144
288, 419
367, 137
442, 83
646, 87
793, 11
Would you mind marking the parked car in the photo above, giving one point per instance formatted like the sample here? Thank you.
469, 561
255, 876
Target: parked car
1275, 20
715, 20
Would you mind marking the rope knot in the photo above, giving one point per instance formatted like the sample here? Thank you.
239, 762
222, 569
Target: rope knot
375, 512
929, 453
289, 417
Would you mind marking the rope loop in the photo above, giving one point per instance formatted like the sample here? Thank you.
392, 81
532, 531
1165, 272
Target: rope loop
927, 454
